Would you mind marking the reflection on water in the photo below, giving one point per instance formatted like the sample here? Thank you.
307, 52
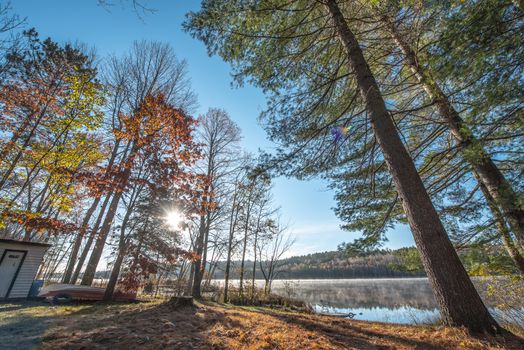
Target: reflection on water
394, 300
402, 314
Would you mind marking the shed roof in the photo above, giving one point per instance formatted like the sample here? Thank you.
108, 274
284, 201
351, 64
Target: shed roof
14, 241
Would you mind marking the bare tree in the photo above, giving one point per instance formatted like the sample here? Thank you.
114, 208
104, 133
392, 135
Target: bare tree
255, 188
271, 250
233, 224
220, 137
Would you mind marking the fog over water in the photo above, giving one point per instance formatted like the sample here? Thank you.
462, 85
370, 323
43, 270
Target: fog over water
394, 300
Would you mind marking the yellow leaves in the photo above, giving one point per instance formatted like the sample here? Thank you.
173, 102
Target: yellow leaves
84, 100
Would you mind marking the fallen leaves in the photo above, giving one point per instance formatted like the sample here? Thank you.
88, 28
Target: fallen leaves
215, 326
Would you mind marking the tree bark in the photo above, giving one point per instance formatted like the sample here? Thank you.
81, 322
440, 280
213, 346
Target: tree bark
90, 240
189, 288
198, 272
72, 278
94, 259
505, 235
115, 272
488, 173
459, 302
122, 245
78, 241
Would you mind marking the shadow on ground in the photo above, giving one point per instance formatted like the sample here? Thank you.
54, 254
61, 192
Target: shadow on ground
141, 326
214, 326
20, 327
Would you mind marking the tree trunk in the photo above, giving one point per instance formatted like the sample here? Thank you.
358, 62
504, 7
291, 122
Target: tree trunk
242, 263
94, 259
232, 224
198, 272
189, 288
72, 278
459, 302
267, 290
89, 242
204, 251
244, 247
254, 264
20, 153
206, 242
507, 240
488, 173
110, 288
212, 269
115, 272
78, 241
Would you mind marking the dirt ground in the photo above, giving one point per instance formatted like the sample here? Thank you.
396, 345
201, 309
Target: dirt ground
32, 325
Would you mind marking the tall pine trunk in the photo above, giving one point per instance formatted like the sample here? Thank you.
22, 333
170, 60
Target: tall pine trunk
459, 302
505, 235
488, 173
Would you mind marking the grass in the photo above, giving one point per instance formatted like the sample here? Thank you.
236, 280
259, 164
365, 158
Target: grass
208, 325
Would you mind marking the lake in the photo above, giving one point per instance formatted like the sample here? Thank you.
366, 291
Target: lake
396, 300
392, 300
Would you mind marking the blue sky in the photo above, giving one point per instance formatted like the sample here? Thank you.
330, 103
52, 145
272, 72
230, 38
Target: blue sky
306, 205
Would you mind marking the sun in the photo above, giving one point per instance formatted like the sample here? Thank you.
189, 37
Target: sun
173, 219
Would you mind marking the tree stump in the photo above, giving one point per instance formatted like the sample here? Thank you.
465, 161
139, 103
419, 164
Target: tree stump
181, 301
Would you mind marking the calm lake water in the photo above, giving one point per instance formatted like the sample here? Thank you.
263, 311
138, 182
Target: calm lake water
395, 300
392, 300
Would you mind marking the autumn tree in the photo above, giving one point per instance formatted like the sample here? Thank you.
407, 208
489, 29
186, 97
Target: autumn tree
51, 107
150, 69
165, 151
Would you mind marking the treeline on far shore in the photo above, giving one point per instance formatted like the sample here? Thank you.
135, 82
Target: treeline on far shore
335, 264
384, 263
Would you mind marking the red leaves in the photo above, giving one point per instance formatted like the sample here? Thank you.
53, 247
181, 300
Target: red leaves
31, 221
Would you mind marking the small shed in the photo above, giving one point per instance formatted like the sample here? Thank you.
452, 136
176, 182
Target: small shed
19, 263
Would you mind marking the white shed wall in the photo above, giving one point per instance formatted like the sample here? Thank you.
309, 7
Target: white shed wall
29, 268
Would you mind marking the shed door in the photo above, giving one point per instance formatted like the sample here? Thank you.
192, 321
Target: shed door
8, 269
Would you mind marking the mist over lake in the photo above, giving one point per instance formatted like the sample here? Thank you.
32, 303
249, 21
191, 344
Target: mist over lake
391, 300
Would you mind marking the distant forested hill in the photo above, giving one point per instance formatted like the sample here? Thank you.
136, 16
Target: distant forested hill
334, 264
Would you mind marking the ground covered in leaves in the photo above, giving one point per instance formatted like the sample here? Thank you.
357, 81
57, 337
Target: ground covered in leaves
214, 326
